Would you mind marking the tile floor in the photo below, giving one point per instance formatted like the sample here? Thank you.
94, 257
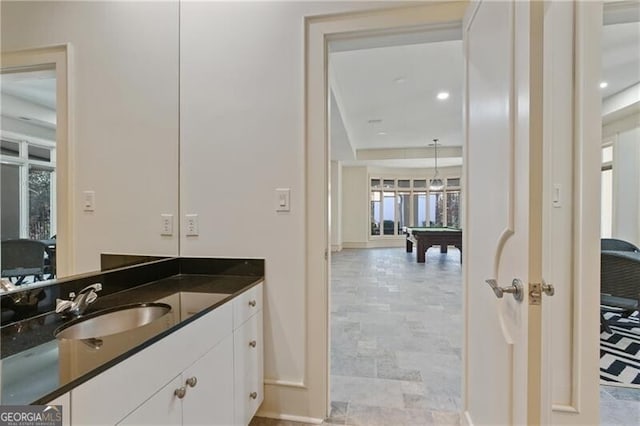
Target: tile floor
396, 343
396, 337
619, 406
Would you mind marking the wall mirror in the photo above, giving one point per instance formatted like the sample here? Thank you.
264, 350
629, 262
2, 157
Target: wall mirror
34, 161
89, 151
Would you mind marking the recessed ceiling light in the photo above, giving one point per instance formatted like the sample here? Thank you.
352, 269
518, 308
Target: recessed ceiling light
399, 80
374, 121
382, 133
603, 84
443, 95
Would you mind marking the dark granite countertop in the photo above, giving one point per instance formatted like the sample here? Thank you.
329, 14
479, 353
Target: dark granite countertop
34, 367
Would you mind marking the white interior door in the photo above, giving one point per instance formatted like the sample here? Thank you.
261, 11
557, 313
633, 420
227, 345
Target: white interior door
503, 160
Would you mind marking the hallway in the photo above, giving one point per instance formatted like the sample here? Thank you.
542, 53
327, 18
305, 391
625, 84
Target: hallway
396, 337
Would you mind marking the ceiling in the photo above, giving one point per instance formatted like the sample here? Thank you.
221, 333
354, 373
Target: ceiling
385, 92
387, 95
28, 97
620, 57
38, 87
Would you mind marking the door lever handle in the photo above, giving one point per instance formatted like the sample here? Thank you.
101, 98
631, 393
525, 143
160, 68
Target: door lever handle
516, 289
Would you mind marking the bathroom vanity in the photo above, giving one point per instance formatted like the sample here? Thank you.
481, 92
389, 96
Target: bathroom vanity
201, 362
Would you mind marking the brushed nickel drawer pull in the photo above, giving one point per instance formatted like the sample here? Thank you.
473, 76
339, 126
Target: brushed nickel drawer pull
180, 392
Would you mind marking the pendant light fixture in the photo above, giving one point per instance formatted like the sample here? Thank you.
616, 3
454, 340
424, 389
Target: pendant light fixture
436, 183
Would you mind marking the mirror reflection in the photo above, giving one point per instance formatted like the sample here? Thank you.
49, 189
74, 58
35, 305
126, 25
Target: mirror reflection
28, 179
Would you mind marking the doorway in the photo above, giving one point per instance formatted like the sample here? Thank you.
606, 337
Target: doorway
396, 323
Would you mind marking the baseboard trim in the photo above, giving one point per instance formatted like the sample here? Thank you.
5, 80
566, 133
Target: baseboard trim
466, 418
288, 417
382, 243
285, 383
336, 247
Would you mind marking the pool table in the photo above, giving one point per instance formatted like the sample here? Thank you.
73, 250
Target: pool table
427, 237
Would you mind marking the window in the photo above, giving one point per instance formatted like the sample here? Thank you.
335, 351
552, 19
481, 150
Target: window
606, 218
28, 189
396, 203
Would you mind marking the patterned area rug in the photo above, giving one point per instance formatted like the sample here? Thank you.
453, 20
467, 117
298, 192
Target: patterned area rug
620, 351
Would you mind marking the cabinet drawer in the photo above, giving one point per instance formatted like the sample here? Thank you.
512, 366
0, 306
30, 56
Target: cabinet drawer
246, 305
248, 368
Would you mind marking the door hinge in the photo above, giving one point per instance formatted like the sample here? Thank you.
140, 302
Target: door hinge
326, 254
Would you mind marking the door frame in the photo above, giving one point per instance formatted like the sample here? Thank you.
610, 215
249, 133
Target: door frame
584, 125
319, 30
59, 57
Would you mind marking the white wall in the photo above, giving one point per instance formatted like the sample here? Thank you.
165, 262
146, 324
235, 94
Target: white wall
355, 207
124, 117
626, 186
335, 195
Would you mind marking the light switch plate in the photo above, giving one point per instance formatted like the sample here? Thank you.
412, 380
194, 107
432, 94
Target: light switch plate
192, 225
166, 224
283, 199
557, 195
89, 201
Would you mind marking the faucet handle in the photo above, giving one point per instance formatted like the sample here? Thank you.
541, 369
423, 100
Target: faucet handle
91, 297
63, 305
94, 287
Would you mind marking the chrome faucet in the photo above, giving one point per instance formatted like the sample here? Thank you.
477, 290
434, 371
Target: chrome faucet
76, 305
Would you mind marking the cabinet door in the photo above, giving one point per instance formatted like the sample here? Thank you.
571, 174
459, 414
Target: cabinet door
210, 401
65, 402
163, 408
248, 369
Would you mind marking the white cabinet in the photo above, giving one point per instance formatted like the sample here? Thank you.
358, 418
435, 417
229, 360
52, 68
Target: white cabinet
220, 354
248, 355
110, 396
204, 390
65, 402
161, 409
210, 401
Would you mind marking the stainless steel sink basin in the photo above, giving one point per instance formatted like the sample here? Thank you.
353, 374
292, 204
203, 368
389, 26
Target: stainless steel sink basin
112, 321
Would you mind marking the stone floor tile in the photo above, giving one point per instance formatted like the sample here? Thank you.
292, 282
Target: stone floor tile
407, 317
363, 415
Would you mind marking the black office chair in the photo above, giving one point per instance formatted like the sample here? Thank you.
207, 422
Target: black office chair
613, 244
22, 258
619, 279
